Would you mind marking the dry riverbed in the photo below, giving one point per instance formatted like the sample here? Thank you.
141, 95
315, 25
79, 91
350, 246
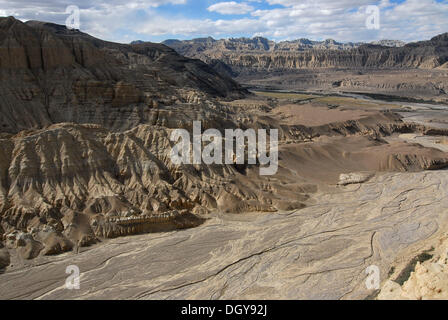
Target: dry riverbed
320, 252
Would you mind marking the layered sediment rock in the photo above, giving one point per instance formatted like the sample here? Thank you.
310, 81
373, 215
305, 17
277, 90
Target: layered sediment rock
424, 277
67, 185
49, 74
413, 70
85, 132
61, 182
259, 54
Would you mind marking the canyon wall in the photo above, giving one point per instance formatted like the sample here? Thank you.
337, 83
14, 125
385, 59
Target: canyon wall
259, 54
49, 74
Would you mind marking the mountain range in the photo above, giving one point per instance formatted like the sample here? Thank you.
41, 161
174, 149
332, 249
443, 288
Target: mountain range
243, 55
266, 45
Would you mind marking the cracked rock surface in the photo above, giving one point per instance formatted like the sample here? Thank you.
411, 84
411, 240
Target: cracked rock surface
320, 252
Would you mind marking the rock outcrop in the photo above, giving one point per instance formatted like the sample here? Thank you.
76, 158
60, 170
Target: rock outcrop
320, 252
257, 44
67, 185
85, 132
425, 277
49, 74
389, 43
259, 54
388, 67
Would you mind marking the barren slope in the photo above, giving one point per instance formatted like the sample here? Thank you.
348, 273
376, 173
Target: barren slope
49, 74
414, 70
246, 55
85, 137
318, 252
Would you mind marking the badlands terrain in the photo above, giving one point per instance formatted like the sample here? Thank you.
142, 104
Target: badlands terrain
417, 70
86, 177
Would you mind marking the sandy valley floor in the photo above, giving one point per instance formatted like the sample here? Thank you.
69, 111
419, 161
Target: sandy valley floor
385, 219
318, 252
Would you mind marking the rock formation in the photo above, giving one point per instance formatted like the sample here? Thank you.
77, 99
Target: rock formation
247, 45
67, 185
424, 277
414, 70
319, 252
49, 74
259, 54
85, 132
389, 43
56, 174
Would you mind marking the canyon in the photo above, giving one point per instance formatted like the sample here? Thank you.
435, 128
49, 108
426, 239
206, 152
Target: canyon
86, 176
406, 70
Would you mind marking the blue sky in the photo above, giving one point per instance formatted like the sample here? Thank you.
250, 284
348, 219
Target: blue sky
157, 20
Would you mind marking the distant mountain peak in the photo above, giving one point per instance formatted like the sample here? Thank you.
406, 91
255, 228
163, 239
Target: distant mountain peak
441, 37
389, 43
137, 42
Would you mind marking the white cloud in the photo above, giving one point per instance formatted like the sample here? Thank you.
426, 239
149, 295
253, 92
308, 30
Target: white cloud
343, 20
100, 18
231, 7
193, 28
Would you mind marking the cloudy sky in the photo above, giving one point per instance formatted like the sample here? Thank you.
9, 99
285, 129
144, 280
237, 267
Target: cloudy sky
157, 20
